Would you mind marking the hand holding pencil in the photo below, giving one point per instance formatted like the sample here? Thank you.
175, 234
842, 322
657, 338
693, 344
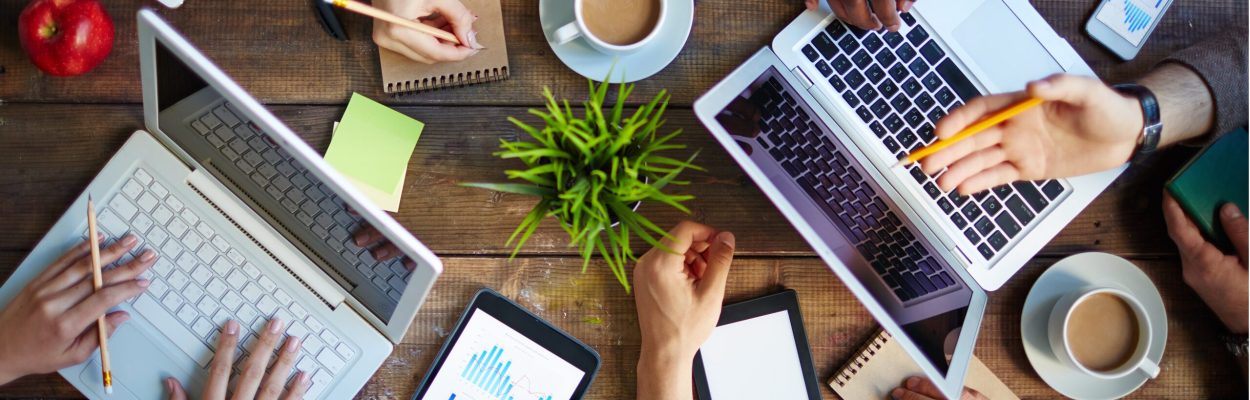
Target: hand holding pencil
450, 36
1081, 126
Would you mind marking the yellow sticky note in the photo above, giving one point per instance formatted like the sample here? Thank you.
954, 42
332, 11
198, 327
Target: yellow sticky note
371, 147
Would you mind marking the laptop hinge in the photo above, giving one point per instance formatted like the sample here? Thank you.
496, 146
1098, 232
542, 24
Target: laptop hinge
802, 76
267, 239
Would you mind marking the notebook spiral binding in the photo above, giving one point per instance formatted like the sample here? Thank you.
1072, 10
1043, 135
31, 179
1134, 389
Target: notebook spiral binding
446, 81
862, 356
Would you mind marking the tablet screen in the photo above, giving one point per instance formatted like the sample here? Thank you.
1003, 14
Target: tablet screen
767, 368
493, 361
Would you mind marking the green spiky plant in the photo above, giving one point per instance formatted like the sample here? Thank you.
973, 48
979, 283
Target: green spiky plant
590, 172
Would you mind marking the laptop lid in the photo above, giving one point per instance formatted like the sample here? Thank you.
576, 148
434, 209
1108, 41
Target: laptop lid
174, 72
941, 342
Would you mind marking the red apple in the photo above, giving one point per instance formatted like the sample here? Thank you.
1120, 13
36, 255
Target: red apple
65, 37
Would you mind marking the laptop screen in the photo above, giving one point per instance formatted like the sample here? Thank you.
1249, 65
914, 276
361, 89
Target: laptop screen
879, 248
280, 188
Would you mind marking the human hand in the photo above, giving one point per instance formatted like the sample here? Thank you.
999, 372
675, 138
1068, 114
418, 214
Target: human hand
448, 15
51, 323
1083, 126
867, 14
678, 293
253, 382
1220, 279
381, 248
917, 388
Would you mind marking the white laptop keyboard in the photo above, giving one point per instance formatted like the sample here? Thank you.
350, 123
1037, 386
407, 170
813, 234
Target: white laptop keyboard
200, 281
293, 187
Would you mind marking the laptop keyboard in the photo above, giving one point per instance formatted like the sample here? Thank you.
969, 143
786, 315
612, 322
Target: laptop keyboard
822, 170
293, 187
900, 84
200, 281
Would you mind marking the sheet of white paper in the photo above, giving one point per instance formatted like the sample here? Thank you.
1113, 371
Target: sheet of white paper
754, 359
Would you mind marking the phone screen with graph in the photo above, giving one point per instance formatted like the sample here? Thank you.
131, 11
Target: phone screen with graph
1123, 25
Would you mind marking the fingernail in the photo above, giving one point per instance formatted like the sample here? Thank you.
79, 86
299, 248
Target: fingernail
123, 317
896, 394
292, 344
728, 239
1231, 211
129, 240
232, 328
473, 40
169, 384
893, 28
913, 382
147, 255
304, 377
275, 325
143, 282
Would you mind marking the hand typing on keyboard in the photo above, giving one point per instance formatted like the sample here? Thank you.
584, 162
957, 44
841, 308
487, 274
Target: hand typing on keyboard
382, 249
253, 382
867, 14
1083, 127
50, 324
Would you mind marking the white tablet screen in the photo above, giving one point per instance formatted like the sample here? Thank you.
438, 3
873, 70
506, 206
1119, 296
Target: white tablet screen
754, 359
492, 361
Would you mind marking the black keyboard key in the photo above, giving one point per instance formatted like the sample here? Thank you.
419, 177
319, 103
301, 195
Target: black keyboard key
957, 198
899, 72
887, 89
945, 278
1031, 195
892, 38
893, 123
864, 114
998, 241
1007, 224
906, 138
972, 235
811, 53
918, 67
837, 83
971, 211
862, 59
991, 206
914, 118
917, 35
926, 133
1052, 189
933, 192
900, 104
824, 68
924, 101
931, 81
1021, 211
935, 114
872, 42
931, 52
986, 251
924, 282
875, 73
835, 29
777, 155
847, 43
907, 18
841, 64
824, 45
867, 93
957, 80
911, 87
945, 97
890, 144
854, 79
910, 283
984, 225
790, 169
905, 52
1002, 191
850, 99
880, 108
918, 174
886, 58
877, 129
942, 203
959, 221
928, 266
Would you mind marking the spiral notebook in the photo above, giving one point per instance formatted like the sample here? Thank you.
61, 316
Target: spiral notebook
401, 75
882, 365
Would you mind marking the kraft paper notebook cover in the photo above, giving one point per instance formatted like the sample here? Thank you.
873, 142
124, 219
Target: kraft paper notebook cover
882, 365
399, 74
1215, 176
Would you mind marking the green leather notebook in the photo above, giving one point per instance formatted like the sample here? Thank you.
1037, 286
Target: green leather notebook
1216, 176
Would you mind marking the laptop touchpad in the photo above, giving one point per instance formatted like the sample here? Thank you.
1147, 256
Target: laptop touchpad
1003, 48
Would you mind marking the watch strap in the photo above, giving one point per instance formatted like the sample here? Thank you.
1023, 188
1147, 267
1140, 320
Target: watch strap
1152, 126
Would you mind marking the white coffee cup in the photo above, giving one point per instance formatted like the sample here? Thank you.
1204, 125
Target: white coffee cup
1059, 342
577, 28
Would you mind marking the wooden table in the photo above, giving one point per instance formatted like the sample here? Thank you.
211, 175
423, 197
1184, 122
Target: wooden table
55, 133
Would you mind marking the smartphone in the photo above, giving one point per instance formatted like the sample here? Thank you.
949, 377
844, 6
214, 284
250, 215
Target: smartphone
1123, 25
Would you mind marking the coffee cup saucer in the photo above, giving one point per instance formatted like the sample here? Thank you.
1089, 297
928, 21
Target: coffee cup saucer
1074, 273
590, 63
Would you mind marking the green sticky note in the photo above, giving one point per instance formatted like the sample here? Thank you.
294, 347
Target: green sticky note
372, 144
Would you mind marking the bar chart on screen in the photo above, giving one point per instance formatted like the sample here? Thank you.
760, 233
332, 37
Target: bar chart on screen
490, 361
1131, 18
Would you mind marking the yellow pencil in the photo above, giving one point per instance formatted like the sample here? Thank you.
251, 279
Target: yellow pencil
976, 128
97, 280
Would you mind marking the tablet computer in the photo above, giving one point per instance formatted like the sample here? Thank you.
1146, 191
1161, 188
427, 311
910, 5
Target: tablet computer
502, 351
757, 351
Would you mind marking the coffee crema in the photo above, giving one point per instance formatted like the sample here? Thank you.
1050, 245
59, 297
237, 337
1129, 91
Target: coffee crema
620, 22
1103, 332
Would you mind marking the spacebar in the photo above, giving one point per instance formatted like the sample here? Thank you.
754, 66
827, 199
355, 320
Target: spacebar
173, 330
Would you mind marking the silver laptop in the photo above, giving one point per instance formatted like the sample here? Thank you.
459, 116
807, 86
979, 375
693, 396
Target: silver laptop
818, 119
249, 224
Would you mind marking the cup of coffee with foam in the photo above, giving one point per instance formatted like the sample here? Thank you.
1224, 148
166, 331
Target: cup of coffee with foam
615, 27
1103, 332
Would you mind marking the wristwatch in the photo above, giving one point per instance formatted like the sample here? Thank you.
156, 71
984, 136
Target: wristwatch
1236, 344
1152, 127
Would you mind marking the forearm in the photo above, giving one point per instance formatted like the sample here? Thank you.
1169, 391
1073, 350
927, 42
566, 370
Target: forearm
1186, 106
665, 377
